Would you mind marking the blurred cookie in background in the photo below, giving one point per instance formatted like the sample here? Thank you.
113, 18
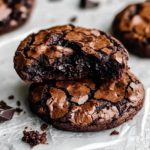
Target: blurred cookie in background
132, 27
14, 13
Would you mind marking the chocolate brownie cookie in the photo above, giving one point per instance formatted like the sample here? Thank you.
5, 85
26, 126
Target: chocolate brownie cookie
14, 13
87, 104
69, 52
132, 27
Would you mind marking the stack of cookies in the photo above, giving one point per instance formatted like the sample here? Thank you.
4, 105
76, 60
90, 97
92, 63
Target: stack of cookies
80, 77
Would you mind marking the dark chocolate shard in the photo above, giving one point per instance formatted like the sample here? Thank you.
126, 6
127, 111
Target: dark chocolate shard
88, 4
6, 112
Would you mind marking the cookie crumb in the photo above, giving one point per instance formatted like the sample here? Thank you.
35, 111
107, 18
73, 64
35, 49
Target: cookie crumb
26, 128
114, 133
73, 19
34, 138
18, 110
24, 112
11, 97
18, 103
4, 134
44, 126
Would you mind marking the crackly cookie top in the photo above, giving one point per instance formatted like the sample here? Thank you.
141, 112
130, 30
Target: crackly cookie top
69, 52
86, 100
61, 41
134, 21
13, 12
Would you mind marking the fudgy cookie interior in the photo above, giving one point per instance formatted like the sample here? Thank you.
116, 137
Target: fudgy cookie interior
68, 52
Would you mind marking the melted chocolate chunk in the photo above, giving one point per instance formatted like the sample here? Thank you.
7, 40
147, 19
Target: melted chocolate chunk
6, 112
114, 133
69, 52
34, 138
88, 4
87, 104
14, 13
132, 27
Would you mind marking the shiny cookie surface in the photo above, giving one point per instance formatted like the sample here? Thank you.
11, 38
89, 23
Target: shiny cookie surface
67, 53
85, 104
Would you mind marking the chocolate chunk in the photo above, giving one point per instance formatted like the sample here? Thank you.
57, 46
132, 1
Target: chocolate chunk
6, 112
34, 138
11, 97
44, 126
87, 104
73, 19
114, 133
88, 4
69, 52
26, 128
18, 103
132, 27
18, 110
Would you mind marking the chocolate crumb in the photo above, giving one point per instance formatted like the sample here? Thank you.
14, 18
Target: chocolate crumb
114, 133
88, 4
34, 138
4, 134
10, 97
26, 128
44, 126
73, 19
24, 112
18, 103
18, 110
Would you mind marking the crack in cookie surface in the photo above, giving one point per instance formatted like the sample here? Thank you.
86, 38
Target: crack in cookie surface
69, 52
87, 102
